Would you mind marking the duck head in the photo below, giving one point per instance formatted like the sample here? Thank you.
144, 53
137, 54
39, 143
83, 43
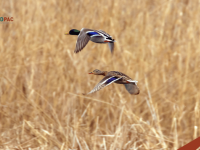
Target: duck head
73, 32
98, 72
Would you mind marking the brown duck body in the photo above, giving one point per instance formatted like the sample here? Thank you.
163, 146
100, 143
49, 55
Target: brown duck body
115, 77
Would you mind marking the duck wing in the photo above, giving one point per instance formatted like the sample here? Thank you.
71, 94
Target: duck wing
108, 38
104, 82
83, 39
111, 46
104, 33
132, 88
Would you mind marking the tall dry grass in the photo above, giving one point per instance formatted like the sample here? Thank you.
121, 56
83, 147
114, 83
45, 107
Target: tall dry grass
42, 80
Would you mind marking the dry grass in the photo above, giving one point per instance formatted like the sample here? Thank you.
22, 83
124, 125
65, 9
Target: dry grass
41, 79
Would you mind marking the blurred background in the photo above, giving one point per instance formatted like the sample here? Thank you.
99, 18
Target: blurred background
42, 79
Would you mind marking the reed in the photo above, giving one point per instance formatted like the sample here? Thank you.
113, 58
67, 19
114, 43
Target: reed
42, 80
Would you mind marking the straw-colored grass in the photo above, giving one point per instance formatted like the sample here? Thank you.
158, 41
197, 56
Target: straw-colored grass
42, 80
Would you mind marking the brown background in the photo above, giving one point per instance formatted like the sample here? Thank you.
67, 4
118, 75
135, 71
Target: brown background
42, 80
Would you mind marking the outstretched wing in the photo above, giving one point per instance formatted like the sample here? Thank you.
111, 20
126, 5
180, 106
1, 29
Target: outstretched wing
104, 33
82, 40
108, 38
111, 46
132, 88
104, 82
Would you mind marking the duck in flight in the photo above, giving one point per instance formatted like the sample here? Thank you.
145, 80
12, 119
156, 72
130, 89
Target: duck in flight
96, 36
115, 77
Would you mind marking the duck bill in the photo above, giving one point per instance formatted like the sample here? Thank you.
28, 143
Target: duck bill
90, 73
66, 33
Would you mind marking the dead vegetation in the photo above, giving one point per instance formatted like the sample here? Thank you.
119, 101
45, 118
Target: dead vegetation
42, 80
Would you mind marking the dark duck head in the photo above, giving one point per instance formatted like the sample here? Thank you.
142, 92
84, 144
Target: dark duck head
73, 32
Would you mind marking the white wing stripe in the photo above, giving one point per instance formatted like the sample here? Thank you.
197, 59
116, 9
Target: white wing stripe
111, 81
133, 81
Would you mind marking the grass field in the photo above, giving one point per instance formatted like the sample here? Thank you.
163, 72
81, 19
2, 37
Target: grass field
42, 79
